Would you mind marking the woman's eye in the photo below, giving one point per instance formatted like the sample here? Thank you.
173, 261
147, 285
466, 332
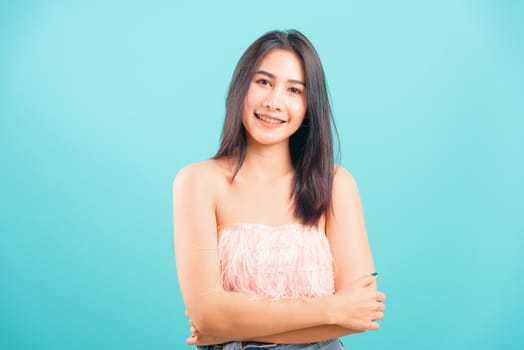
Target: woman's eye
263, 81
294, 90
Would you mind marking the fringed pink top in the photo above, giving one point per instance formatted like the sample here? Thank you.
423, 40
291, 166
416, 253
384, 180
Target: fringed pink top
290, 261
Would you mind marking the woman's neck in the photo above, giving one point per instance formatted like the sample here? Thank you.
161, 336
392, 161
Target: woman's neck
267, 163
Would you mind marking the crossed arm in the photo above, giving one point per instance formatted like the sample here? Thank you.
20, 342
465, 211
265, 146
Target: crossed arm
219, 316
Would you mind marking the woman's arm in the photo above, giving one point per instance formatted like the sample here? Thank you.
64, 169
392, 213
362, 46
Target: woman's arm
346, 232
211, 309
233, 315
305, 335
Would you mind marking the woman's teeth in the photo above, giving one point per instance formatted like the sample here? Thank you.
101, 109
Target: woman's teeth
268, 120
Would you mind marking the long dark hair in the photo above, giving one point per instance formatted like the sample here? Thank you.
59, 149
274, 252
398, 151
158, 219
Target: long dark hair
311, 146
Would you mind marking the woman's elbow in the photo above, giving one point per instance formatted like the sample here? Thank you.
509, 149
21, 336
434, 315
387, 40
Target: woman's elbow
208, 317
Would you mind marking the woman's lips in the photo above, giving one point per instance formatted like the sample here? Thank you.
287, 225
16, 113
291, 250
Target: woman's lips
268, 119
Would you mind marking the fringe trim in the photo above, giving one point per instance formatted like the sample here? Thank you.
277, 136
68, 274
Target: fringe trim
290, 261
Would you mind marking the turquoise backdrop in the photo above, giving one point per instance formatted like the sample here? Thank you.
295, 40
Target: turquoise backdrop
102, 102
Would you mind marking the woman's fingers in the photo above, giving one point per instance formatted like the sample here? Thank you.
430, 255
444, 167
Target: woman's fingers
362, 305
378, 316
191, 340
193, 330
374, 326
380, 296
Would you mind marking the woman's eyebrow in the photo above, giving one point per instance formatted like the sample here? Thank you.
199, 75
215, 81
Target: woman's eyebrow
272, 76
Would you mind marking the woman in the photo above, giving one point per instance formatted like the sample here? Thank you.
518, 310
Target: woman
270, 241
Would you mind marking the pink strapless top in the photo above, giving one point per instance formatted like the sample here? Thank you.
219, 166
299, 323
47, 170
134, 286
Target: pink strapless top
289, 261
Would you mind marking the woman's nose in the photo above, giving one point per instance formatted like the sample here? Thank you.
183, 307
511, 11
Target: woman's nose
273, 99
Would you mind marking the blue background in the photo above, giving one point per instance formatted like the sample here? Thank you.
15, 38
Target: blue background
102, 102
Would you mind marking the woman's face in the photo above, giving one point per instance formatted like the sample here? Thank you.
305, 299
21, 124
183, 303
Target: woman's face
276, 101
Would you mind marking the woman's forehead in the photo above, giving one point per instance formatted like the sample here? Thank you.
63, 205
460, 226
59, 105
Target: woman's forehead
282, 64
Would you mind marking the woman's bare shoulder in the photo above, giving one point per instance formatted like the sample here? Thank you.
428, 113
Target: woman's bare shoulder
208, 176
196, 171
343, 182
341, 174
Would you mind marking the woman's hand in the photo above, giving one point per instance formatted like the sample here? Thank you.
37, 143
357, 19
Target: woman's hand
359, 305
198, 338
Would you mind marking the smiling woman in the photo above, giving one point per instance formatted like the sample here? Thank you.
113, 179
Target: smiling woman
276, 99
270, 241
